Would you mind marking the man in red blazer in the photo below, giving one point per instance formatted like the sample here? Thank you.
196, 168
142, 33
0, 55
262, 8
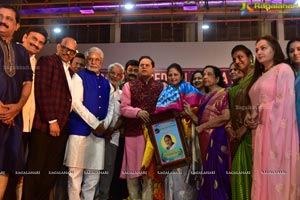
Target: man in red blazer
50, 126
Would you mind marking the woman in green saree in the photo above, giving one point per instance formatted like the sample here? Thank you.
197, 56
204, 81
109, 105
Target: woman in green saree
240, 135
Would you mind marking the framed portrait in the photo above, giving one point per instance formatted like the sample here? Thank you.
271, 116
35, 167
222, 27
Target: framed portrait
167, 136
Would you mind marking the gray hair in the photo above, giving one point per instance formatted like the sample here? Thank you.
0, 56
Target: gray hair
115, 65
94, 50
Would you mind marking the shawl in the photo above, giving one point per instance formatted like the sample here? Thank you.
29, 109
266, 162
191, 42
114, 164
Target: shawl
171, 98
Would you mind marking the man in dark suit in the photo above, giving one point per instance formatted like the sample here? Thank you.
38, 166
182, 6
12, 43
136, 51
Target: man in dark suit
50, 126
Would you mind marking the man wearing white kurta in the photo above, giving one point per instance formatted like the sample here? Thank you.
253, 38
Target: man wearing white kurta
115, 75
92, 101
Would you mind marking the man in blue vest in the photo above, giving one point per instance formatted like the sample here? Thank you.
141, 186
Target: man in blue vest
92, 101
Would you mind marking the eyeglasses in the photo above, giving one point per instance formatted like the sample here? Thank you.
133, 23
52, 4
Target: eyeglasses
67, 50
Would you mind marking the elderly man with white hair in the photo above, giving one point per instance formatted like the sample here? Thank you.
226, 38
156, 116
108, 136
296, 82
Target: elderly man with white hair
115, 75
92, 101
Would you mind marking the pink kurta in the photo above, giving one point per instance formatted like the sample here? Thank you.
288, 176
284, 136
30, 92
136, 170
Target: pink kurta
275, 140
134, 146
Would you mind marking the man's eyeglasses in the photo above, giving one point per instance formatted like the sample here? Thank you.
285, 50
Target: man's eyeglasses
67, 50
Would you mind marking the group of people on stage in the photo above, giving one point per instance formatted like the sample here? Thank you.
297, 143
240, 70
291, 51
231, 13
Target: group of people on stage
79, 129
248, 135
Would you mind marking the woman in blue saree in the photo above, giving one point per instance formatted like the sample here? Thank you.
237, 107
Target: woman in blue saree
213, 115
177, 184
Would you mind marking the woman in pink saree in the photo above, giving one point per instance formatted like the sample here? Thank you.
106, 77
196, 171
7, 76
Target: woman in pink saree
273, 120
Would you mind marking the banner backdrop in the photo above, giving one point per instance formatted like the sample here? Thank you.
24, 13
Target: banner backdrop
162, 74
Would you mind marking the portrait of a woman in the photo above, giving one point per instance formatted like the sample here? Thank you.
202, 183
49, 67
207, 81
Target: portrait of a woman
169, 142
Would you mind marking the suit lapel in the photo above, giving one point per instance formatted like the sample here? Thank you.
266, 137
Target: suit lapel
62, 72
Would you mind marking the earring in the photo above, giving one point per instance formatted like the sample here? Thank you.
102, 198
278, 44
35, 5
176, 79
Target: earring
251, 60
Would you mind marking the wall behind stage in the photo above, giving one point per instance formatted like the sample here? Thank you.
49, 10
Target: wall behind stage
187, 54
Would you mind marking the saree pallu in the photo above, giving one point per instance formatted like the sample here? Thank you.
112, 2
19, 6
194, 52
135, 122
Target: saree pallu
275, 143
215, 184
241, 169
242, 150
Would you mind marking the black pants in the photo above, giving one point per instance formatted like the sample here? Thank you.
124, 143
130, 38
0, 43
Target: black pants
45, 158
118, 188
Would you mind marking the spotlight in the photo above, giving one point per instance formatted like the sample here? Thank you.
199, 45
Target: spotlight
205, 26
57, 30
128, 6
